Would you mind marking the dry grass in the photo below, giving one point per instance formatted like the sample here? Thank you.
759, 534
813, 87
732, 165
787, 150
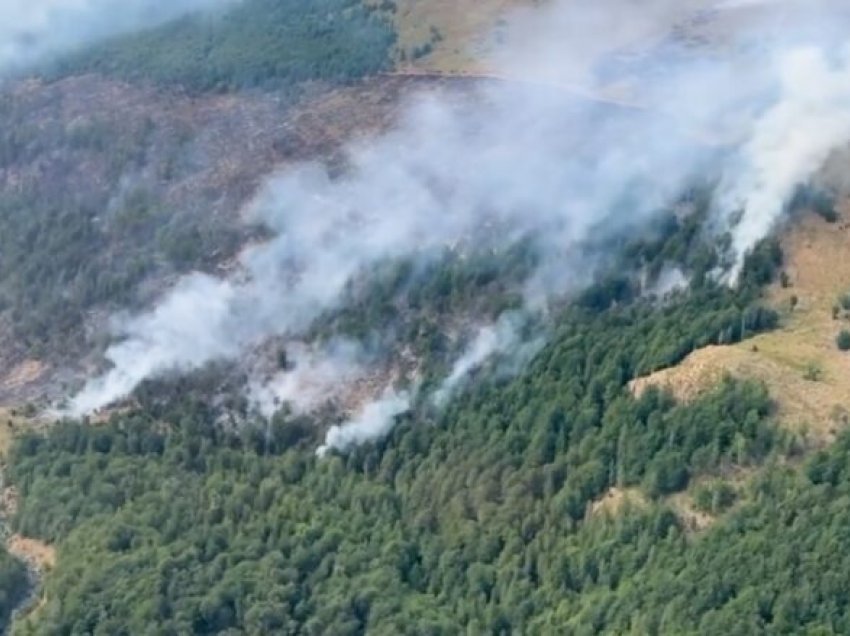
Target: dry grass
472, 30
682, 504
819, 270
38, 554
467, 28
692, 519
12, 423
22, 374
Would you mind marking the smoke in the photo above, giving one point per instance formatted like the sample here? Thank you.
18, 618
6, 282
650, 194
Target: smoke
504, 337
791, 140
316, 376
486, 343
199, 320
514, 159
373, 421
31, 30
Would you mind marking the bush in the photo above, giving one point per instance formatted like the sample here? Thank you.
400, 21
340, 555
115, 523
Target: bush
813, 372
715, 497
842, 340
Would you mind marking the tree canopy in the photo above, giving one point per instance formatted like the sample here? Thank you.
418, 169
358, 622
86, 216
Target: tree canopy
255, 43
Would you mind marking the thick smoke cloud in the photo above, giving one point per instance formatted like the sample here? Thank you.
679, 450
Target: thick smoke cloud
372, 421
791, 141
520, 164
517, 158
315, 376
31, 30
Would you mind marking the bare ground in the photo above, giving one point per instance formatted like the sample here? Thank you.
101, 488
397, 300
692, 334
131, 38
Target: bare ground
38, 554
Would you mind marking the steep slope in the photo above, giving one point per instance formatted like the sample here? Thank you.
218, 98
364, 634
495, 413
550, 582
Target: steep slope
249, 44
555, 487
477, 518
127, 185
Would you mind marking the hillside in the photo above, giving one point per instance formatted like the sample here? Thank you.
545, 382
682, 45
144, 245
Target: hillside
803, 367
128, 186
426, 317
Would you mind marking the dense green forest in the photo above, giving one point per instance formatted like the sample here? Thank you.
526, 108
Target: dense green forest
269, 43
188, 513
473, 519
14, 584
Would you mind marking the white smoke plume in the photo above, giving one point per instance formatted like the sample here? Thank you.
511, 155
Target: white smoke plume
522, 158
503, 337
31, 30
791, 140
375, 420
316, 375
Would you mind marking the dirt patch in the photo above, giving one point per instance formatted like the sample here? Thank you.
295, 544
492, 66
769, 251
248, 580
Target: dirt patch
37, 554
22, 374
616, 499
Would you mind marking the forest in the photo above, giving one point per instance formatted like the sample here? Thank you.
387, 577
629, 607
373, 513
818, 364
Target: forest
107, 188
477, 519
553, 499
256, 43
14, 584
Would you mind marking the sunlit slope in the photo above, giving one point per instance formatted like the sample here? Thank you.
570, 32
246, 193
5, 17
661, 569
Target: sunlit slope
449, 35
453, 36
806, 373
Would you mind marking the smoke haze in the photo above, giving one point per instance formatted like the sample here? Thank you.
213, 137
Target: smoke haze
373, 421
31, 30
315, 376
503, 337
522, 158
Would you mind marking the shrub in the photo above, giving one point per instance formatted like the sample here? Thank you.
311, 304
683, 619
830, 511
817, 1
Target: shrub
715, 497
813, 372
842, 340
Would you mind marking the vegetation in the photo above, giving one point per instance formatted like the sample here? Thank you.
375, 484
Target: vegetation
813, 372
818, 200
475, 518
714, 497
483, 518
467, 285
14, 584
62, 258
256, 43
100, 205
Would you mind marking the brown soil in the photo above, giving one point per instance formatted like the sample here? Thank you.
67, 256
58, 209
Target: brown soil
38, 554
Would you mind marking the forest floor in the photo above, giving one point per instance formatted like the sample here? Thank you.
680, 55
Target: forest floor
41, 555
